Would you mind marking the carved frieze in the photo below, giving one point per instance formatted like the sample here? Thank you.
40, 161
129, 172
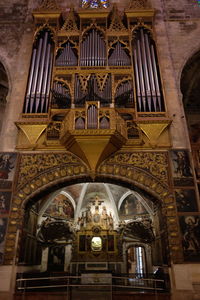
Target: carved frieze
138, 4
32, 165
156, 163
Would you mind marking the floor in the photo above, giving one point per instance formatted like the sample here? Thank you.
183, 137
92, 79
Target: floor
88, 295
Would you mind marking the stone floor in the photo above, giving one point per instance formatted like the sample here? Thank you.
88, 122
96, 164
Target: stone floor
88, 295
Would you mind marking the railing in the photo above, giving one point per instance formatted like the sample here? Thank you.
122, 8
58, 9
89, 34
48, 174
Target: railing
108, 284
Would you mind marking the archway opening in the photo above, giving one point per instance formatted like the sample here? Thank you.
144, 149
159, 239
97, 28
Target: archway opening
190, 88
93, 226
4, 88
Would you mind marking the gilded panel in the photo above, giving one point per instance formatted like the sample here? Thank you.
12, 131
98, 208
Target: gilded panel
32, 165
153, 162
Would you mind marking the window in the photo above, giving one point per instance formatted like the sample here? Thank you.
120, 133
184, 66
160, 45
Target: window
96, 243
94, 3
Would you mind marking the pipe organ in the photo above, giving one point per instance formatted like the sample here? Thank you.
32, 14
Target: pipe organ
39, 82
147, 78
88, 87
94, 57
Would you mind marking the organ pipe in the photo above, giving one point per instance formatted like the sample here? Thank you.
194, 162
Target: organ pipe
66, 57
30, 82
49, 80
119, 57
137, 79
36, 100
93, 50
92, 117
35, 77
146, 73
141, 75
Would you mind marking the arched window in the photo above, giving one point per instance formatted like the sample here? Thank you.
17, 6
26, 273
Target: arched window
39, 81
136, 261
147, 76
94, 3
3, 92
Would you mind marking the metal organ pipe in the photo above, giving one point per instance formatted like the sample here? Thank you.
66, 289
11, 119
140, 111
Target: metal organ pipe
119, 57
146, 75
35, 77
30, 80
44, 83
141, 75
49, 80
67, 56
137, 79
149, 61
39, 76
150, 68
41, 72
93, 50
156, 77
94, 58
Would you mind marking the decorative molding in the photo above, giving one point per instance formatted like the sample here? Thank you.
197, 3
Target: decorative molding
70, 22
138, 4
116, 22
156, 163
153, 130
32, 131
33, 165
49, 5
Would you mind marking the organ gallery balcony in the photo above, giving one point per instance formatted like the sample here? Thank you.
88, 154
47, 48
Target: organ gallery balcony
93, 133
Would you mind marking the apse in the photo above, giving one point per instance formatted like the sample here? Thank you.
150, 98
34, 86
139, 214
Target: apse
92, 226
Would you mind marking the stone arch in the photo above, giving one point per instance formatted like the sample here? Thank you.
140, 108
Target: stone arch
8, 73
189, 74
187, 55
5, 90
60, 169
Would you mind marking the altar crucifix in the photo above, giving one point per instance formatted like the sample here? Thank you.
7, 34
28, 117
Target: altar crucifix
96, 202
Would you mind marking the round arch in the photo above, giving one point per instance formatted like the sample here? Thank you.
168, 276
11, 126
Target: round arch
35, 182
